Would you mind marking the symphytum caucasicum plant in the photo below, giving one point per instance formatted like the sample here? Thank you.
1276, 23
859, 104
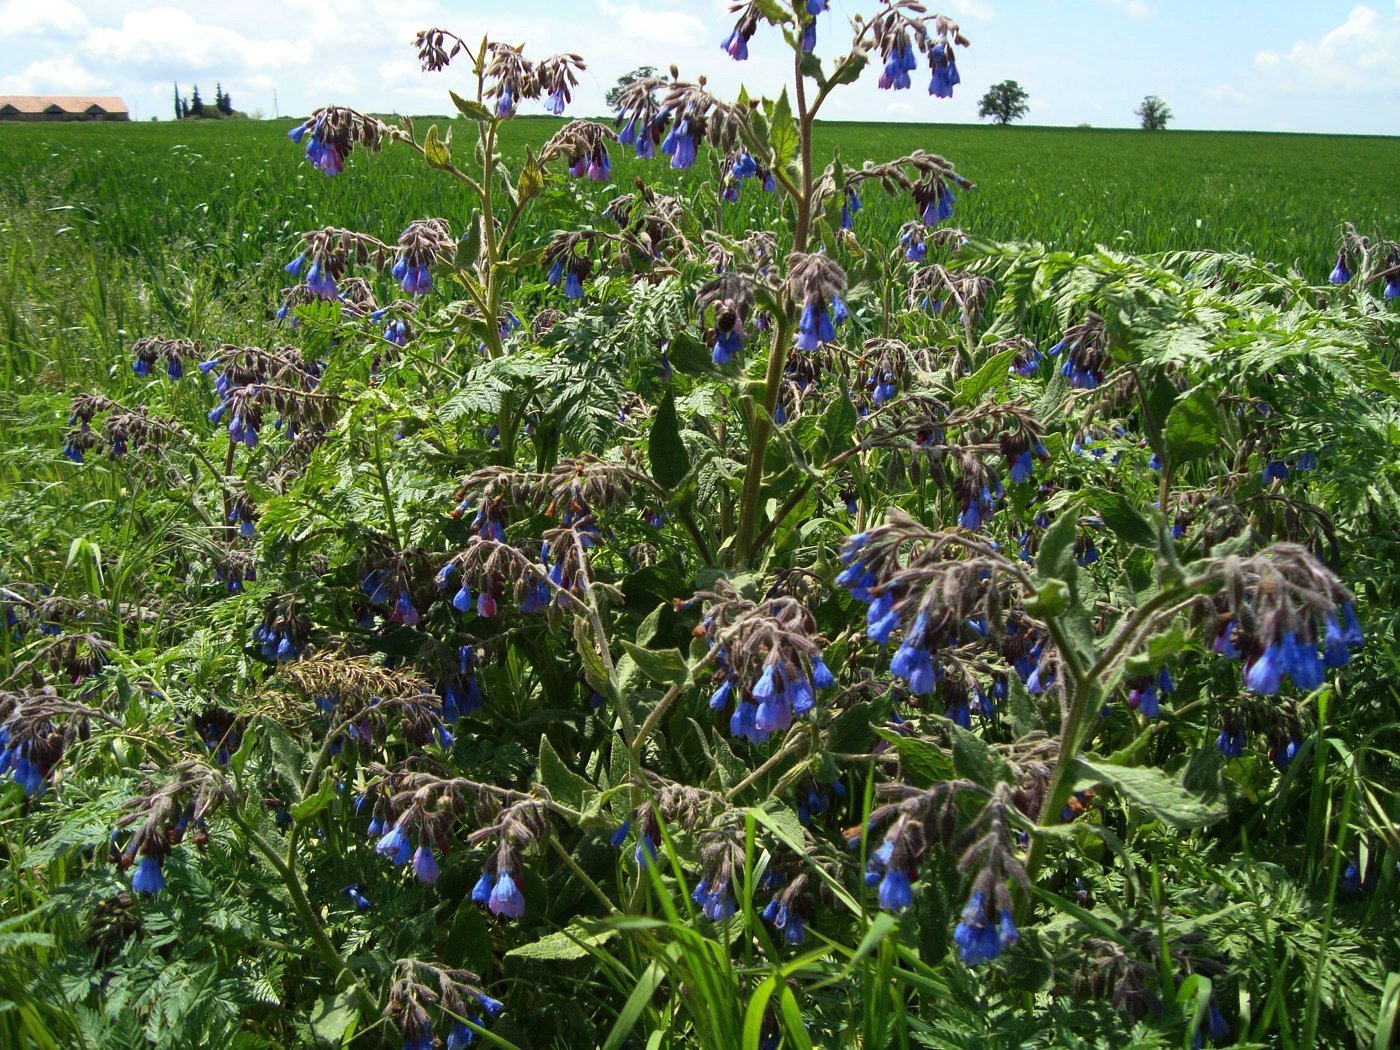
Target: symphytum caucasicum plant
626, 609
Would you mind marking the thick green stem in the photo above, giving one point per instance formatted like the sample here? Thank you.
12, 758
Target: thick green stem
300, 904
759, 433
383, 475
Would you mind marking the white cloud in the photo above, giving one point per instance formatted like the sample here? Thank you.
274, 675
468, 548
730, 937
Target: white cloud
1360, 55
1132, 8
59, 75
171, 42
659, 28
965, 9
49, 18
1226, 93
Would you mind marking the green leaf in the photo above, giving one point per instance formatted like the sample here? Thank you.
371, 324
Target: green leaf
436, 151
784, 822
1152, 789
469, 941
562, 782
1160, 647
669, 460
838, 426
1021, 707
849, 67
923, 763
311, 805
469, 109
335, 1017
287, 756
1122, 518
572, 942
469, 246
774, 12
594, 671
1193, 426
993, 373
811, 66
531, 178
1055, 560
975, 759
782, 132
666, 666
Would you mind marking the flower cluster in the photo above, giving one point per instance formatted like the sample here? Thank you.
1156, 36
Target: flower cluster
282, 633
1085, 349
584, 144
420, 987
1145, 692
817, 283
333, 131
727, 300
421, 245
160, 817
770, 662
174, 352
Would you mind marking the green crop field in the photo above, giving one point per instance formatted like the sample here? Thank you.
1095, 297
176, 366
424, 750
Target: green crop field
116, 228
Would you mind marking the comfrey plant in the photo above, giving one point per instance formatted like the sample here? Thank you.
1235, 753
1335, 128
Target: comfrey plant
672, 570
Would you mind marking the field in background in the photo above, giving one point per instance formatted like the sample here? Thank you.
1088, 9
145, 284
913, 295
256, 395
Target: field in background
109, 232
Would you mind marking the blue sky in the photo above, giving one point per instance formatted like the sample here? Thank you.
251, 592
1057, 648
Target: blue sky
1284, 65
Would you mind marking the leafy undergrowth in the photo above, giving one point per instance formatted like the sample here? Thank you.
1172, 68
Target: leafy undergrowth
707, 628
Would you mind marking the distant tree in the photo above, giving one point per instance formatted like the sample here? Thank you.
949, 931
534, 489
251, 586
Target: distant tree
196, 104
1004, 102
1154, 113
615, 92
184, 108
218, 97
178, 112
226, 105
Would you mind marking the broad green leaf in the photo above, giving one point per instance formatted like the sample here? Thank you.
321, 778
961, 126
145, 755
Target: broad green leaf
975, 759
469, 941
1055, 560
838, 425
572, 942
334, 1018
1021, 707
1152, 789
531, 178
666, 666
1122, 518
666, 450
992, 375
436, 151
782, 132
923, 763
1193, 426
563, 783
308, 807
468, 108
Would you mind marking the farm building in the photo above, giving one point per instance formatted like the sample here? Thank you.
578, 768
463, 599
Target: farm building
62, 107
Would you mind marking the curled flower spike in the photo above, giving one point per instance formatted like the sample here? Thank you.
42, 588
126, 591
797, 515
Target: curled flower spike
1085, 349
768, 657
945, 71
984, 930
727, 299
505, 898
816, 282
736, 44
332, 132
